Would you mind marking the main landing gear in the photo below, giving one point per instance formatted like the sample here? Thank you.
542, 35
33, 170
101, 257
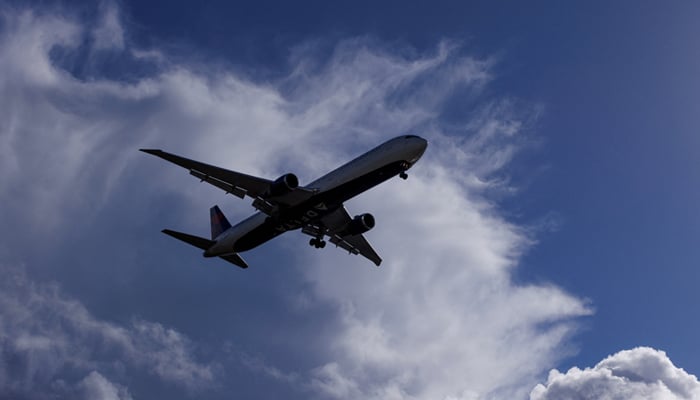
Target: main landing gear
317, 243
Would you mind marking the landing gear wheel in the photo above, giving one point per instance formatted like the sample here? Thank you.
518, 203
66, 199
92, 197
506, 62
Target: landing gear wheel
317, 243
403, 175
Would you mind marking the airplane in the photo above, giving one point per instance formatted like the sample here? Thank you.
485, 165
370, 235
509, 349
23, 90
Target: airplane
317, 208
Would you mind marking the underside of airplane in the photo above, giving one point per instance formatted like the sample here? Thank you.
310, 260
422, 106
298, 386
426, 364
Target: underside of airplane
283, 205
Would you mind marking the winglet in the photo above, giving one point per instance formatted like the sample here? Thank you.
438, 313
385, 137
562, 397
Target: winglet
219, 223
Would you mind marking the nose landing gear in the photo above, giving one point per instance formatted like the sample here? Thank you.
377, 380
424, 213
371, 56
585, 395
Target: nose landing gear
404, 165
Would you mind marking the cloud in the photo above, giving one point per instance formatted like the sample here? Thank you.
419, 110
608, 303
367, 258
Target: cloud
442, 317
109, 33
46, 338
327, 380
97, 387
54, 127
640, 373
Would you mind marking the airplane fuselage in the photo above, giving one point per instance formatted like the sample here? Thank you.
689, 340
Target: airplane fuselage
389, 159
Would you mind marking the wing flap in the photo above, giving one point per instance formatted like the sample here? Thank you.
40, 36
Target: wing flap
227, 187
238, 184
357, 244
253, 186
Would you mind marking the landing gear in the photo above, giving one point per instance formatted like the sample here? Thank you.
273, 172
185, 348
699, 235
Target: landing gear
317, 243
404, 166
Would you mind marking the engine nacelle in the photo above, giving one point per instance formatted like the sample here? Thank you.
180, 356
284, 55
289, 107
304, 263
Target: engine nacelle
360, 224
283, 185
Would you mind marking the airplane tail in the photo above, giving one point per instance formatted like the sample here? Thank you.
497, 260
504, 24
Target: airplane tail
219, 223
205, 244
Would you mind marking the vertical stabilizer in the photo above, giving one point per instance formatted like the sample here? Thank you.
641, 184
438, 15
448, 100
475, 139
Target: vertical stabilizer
219, 223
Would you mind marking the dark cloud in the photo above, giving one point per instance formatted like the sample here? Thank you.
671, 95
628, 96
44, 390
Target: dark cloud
50, 341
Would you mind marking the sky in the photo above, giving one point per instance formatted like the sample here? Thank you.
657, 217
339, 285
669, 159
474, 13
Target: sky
544, 247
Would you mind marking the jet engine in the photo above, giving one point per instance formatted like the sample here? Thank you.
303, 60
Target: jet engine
360, 224
283, 185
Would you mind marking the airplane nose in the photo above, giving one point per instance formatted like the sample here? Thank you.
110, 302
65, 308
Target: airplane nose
423, 144
419, 145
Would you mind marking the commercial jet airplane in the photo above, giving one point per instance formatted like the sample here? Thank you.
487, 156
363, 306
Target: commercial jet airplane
317, 208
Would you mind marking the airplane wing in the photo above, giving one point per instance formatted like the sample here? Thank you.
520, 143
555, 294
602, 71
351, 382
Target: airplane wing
334, 225
238, 184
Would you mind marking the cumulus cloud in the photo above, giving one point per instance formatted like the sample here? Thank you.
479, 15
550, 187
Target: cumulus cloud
46, 338
640, 373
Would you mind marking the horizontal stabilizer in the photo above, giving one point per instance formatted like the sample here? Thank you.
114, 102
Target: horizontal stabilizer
235, 259
195, 241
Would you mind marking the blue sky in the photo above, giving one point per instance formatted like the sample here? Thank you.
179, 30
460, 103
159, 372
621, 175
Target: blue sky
551, 224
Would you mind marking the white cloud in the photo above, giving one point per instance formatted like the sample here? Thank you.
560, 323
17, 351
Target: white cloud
45, 337
259, 365
328, 381
25, 46
441, 318
109, 33
97, 387
640, 373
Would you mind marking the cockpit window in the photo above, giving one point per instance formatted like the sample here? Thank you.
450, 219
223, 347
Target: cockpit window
410, 136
